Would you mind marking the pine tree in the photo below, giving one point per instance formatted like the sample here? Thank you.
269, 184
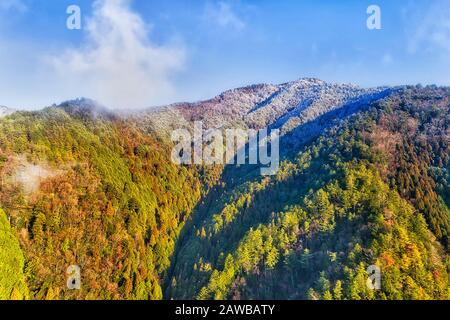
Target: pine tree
272, 258
337, 292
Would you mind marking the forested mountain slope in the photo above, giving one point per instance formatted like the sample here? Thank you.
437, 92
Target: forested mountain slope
12, 279
94, 192
364, 180
373, 190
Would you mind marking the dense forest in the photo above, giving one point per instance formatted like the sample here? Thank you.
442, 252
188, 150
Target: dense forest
100, 191
373, 190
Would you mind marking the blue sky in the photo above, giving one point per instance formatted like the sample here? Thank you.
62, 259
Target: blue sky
139, 53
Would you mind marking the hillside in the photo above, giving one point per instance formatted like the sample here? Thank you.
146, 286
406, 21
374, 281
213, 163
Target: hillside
372, 190
92, 192
364, 180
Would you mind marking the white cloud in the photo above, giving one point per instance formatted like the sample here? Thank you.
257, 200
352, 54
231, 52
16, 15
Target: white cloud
117, 64
433, 31
223, 15
13, 5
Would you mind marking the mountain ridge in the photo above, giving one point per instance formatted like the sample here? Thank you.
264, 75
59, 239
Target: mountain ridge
284, 106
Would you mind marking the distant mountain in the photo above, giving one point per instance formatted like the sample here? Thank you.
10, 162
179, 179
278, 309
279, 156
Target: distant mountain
363, 181
284, 106
86, 108
5, 111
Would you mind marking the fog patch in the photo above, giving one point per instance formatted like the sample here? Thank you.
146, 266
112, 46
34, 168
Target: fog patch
30, 176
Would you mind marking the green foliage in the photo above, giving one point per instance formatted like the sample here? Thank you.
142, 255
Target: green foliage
12, 280
114, 204
384, 223
371, 191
